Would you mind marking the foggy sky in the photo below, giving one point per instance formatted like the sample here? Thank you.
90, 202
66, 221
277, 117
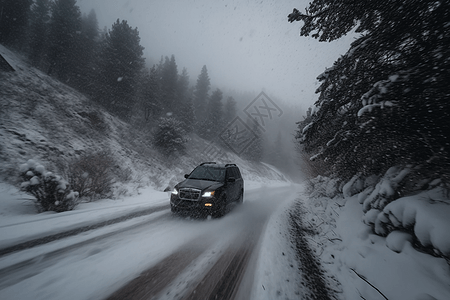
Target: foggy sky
246, 45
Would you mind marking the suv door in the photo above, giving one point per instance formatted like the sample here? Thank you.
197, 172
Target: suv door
231, 186
239, 182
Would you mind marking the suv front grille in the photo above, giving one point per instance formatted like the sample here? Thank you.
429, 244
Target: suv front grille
190, 194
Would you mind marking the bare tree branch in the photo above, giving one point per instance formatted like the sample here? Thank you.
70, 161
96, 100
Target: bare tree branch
362, 277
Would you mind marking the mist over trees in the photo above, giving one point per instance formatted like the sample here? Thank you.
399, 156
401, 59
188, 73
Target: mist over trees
255, 150
109, 67
201, 94
213, 120
230, 110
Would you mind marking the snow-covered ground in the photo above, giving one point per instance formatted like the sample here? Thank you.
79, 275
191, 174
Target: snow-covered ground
39, 130
277, 268
20, 222
368, 266
93, 268
358, 264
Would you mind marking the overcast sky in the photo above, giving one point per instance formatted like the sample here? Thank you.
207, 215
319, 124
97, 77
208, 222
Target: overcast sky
246, 45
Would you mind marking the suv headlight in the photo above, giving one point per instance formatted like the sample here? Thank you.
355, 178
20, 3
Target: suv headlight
175, 192
208, 194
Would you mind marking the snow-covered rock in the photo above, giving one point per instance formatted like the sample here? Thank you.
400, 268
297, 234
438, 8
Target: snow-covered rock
396, 240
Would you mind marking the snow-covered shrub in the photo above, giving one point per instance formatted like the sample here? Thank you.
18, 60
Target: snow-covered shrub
361, 185
397, 182
51, 191
353, 186
405, 206
387, 189
425, 215
375, 193
170, 137
92, 175
322, 186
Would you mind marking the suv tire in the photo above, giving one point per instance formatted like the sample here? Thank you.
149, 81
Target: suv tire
241, 198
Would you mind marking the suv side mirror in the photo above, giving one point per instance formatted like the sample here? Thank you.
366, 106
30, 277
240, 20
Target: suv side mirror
186, 175
231, 179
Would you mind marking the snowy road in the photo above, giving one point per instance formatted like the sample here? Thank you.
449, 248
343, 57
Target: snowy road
157, 256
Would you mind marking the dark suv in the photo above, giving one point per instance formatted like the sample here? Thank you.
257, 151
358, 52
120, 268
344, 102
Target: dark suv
208, 190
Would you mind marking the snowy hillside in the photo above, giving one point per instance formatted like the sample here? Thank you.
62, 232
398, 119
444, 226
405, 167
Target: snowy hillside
44, 119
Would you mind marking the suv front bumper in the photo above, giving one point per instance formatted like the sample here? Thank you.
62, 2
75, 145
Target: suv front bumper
202, 206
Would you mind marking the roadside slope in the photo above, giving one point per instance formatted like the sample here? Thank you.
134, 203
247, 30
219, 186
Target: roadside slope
46, 120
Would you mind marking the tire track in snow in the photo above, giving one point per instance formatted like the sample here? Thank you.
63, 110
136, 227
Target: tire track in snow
312, 272
205, 268
68, 233
21, 271
154, 280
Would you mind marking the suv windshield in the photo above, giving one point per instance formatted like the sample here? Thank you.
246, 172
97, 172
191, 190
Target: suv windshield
208, 173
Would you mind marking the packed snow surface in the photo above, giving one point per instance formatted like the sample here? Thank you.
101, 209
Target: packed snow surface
110, 263
358, 264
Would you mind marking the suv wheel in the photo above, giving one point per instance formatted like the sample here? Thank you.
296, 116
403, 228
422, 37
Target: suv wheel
220, 212
241, 198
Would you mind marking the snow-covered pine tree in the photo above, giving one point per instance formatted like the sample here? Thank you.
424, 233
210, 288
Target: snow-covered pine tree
201, 95
169, 82
148, 108
385, 102
187, 116
121, 61
39, 32
170, 137
184, 110
89, 48
13, 21
213, 122
64, 42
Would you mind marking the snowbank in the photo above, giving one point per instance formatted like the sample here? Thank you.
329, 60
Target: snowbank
20, 221
404, 273
363, 261
424, 214
428, 219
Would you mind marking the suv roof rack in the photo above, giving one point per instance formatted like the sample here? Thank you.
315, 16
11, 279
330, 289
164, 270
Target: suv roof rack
230, 165
207, 163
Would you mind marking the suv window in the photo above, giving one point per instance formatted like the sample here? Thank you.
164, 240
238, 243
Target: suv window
230, 173
208, 173
237, 173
